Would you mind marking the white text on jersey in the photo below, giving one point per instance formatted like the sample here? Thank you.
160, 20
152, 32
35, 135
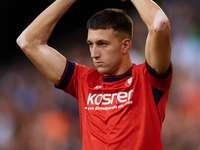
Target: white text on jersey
109, 98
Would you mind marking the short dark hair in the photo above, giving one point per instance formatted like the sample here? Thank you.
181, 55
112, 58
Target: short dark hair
113, 18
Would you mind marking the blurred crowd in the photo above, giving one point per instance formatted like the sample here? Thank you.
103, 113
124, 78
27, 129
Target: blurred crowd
36, 115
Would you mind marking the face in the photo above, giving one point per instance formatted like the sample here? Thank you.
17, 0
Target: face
106, 51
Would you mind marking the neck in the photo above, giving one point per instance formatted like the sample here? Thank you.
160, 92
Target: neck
123, 68
126, 66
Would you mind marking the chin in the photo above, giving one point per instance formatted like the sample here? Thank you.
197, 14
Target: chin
100, 71
104, 71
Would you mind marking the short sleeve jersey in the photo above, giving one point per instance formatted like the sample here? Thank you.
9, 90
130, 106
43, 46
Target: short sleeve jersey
122, 112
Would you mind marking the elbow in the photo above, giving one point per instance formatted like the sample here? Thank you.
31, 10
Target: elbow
162, 25
161, 22
21, 42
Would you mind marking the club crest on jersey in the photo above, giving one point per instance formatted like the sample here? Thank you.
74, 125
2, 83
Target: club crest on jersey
128, 82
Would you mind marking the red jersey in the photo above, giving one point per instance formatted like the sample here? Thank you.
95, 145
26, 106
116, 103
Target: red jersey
122, 112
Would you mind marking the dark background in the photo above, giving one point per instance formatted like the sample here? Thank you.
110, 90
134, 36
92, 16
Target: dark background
17, 15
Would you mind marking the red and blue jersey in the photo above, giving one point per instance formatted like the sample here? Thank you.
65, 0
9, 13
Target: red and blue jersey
122, 112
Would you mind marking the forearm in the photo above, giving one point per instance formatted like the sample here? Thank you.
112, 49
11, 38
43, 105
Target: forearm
158, 43
151, 14
33, 41
39, 31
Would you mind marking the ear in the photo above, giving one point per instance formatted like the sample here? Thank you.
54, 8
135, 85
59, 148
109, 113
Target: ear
126, 45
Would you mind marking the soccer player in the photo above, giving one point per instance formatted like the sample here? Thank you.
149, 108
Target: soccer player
122, 105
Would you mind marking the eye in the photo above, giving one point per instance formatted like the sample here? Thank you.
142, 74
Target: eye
103, 44
90, 44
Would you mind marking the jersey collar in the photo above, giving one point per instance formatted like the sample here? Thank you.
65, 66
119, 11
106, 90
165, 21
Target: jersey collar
118, 77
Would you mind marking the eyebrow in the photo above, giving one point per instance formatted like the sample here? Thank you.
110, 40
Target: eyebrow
98, 41
88, 41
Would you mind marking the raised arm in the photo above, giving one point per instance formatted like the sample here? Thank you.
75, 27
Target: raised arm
33, 41
158, 44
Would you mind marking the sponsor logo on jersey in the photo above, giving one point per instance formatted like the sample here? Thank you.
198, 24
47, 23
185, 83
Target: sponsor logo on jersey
107, 101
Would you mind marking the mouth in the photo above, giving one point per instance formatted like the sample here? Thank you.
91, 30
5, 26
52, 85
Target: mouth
98, 63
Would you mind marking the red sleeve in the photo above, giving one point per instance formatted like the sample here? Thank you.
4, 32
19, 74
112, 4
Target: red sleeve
72, 77
68, 81
66, 76
160, 88
161, 82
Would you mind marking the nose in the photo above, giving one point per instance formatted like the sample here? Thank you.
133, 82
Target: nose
94, 52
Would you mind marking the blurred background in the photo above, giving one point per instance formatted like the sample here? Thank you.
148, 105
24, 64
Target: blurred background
35, 115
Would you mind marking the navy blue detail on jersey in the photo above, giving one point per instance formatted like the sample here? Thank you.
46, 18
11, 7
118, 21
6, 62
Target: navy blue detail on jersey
156, 75
157, 94
118, 77
67, 75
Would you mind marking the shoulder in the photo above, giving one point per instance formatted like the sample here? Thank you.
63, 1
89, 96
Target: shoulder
82, 71
146, 74
145, 69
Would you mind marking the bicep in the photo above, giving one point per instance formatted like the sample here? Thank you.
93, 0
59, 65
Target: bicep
48, 61
158, 50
